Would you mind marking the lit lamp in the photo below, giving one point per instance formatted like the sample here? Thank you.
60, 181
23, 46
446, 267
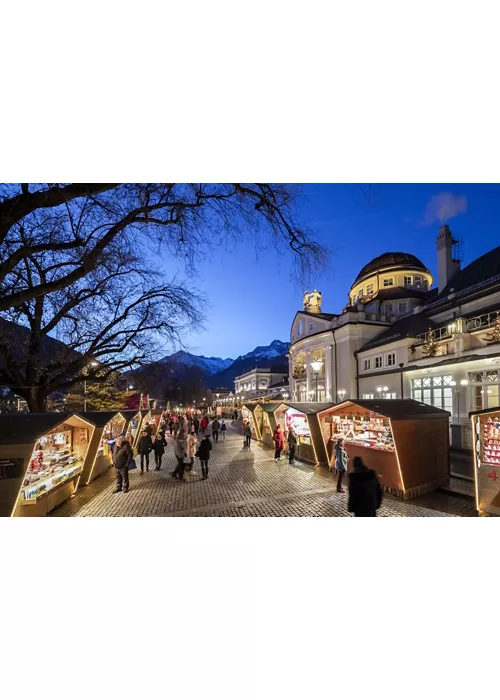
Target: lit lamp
91, 364
452, 328
341, 393
457, 390
316, 366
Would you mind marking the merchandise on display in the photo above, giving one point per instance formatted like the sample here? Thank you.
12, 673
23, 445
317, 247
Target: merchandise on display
373, 431
298, 422
491, 440
113, 429
53, 462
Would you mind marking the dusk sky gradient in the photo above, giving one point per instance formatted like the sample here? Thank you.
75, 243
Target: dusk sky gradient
252, 299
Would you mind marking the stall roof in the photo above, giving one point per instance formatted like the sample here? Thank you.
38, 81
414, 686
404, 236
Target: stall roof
399, 409
144, 411
24, 428
270, 407
309, 408
129, 412
100, 418
494, 409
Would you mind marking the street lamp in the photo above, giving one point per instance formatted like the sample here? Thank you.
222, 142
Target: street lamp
316, 365
457, 390
341, 393
91, 364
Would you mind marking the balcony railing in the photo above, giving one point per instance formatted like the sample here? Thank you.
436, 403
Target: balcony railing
481, 322
437, 333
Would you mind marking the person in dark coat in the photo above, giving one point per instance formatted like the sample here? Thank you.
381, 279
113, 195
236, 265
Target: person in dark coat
122, 456
365, 492
149, 429
159, 445
204, 455
247, 432
340, 463
196, 425
145, 446
171, 425
215, 430
292, 446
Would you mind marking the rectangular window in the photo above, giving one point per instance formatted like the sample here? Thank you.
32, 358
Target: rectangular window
368, 396
378, 362
389, 282
418, 281
360, 294
388, 308
408, 281
369, 289
390, 359
366, 365
402, 307
390, 395
436, 392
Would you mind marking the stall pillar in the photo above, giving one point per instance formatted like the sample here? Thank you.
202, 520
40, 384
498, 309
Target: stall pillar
309, 376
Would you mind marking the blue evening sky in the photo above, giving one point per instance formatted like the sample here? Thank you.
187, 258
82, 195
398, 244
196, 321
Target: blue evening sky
252, 298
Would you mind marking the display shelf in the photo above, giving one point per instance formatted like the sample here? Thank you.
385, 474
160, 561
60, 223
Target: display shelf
51, 482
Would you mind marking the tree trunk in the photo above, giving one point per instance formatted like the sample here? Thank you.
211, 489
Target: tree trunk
36, 400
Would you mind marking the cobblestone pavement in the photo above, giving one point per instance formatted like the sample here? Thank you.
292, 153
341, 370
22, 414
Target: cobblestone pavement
241, 482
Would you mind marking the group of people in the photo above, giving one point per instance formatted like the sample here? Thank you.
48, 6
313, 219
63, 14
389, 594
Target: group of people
185, 431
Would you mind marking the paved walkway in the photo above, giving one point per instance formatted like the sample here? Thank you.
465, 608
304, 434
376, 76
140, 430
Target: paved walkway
241, 482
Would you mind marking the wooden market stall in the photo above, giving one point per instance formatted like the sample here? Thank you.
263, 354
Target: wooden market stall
249, 415
155, 418
266, 420
486, 442
41, 460
133, 421
108, 426
405, 441
303, 418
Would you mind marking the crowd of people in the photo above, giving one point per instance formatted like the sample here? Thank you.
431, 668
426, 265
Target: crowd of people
191, 436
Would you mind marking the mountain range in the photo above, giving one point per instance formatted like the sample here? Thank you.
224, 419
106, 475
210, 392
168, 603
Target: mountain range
184, 368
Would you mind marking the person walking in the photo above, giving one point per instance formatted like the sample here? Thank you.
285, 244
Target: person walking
279, 443
365, 491
180, 453
292, 446
204, 455
223, 428
176, 429
122, 456
247, 432
215, 430
171, 425
340, 463
235, 415
145, 446
159, 445
192, 446
196, 425
203, 424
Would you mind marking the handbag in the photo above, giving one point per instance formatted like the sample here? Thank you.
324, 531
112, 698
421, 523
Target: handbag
132, 465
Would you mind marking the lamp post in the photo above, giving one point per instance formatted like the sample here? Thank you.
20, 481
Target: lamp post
316, 366
457, 390
381, 391
341, 393
401, 365
91, 364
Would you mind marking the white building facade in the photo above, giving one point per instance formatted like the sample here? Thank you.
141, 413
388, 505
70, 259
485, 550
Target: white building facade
399, 338
258, 382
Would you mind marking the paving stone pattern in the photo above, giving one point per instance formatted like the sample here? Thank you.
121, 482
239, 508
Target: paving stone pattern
242, 482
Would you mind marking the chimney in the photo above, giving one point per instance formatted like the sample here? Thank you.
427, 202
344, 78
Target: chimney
447, 266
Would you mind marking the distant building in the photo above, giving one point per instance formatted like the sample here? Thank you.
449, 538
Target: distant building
258, 382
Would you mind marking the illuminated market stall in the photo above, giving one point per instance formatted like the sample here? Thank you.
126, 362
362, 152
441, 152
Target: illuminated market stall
133, 421
108, 426
406, 442
486, 441
41, 460
303, 418
266, 420
248, 414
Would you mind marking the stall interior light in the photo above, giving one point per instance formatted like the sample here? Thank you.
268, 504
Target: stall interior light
476, 475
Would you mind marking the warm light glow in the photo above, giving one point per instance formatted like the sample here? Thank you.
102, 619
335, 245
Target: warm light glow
476, 475
379, 388
453, 383
397, 456
386, 388
317, 365
464, 382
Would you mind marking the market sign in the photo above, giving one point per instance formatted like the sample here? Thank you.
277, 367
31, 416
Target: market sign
12, 468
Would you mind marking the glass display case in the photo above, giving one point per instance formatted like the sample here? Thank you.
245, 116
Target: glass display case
369, 430
486, 439
300, 425
56, 459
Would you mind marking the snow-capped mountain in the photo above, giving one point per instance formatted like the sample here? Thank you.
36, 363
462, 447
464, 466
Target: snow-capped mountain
276, 349
209, 365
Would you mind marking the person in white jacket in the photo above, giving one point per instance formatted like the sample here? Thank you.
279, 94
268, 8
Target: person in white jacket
192, 446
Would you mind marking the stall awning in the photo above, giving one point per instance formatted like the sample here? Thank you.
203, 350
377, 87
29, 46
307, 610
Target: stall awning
308, 408
270, 407
25, 428
102, 418
397, 409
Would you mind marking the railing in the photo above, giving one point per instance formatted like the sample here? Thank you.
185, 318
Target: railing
480, 322
437, 333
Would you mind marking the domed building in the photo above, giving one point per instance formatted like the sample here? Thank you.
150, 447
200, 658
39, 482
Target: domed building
400, 337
